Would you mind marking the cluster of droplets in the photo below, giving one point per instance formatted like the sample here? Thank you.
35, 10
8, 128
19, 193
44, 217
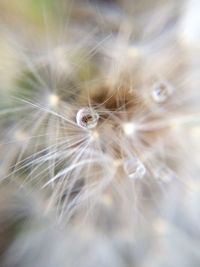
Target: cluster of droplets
88, 118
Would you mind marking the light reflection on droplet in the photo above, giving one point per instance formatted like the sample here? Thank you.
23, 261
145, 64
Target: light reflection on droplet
161, 92
134, 168
87, 118
164, 174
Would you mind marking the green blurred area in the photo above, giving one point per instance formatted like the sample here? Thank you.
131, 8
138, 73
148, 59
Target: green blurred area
32, 11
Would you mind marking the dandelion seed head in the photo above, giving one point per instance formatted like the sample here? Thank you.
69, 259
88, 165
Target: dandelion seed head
195, 132
160, 226
53, 100
60, 60
103, 142
128, 128
189, 27
106, 199
20, 135
117, 163
194, 185
94, 135
134, 52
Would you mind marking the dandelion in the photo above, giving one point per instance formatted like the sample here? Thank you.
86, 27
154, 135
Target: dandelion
100, 128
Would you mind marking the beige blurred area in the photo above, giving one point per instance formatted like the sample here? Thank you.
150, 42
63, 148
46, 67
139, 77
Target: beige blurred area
28, 24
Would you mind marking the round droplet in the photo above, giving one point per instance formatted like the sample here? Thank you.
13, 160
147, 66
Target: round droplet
134, 168
164, 174
87, 118
161, 92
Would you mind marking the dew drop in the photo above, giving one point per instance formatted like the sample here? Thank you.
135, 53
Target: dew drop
161, 92
87, 118
164, 174
134, 168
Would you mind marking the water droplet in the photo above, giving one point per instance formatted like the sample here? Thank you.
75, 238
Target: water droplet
161, 92
164, 174
87, 118
134, 168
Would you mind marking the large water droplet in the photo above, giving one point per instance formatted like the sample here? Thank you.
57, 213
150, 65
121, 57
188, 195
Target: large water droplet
161, 92
87, 118
134, 168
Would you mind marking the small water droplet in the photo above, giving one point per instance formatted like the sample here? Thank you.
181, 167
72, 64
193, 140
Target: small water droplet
164, 174
87, 118
161, 92
134, 168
